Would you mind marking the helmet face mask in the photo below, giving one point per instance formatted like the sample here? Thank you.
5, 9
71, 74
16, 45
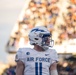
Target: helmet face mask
40, 36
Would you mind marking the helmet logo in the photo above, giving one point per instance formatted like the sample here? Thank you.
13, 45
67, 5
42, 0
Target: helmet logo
37, 30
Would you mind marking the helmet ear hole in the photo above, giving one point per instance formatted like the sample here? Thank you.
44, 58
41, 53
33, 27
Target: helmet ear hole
33, 44
36, 38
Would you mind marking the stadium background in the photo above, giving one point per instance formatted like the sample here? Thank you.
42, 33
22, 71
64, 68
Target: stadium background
59, 16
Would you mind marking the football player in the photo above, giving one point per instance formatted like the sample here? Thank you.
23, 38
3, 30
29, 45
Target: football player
40, 60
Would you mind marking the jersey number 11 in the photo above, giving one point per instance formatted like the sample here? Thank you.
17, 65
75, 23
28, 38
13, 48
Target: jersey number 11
38, 68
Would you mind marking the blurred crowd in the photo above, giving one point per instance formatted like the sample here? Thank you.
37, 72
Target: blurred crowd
59, 16
67, 68
10, 71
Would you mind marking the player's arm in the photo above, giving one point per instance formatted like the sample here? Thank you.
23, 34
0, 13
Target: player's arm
20, 68
54, 61
19, 58
53, 69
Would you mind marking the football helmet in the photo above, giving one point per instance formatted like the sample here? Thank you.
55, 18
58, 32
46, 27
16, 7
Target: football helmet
39, 36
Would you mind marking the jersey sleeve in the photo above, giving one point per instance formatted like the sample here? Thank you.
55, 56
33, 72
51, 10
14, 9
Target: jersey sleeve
54, 56
20, 56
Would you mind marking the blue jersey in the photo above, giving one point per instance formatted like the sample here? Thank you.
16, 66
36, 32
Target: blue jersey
36, 63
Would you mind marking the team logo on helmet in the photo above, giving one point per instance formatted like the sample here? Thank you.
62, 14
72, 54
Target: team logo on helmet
37, 30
